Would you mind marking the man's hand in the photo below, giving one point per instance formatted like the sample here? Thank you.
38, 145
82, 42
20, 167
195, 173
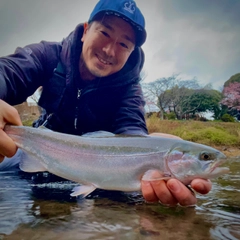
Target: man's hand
8, 115
172, 192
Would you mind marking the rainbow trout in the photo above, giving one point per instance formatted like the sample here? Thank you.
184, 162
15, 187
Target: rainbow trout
113, 162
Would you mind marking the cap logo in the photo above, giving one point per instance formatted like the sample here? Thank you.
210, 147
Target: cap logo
129, 6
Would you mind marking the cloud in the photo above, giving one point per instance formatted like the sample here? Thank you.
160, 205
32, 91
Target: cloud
196, 38
28, 21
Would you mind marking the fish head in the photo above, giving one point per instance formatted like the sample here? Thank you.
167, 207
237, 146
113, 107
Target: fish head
187, 161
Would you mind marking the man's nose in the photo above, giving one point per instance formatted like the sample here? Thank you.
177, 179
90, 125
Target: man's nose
109, 48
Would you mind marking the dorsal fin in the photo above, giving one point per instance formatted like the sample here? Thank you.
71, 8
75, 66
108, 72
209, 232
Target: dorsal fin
98, 134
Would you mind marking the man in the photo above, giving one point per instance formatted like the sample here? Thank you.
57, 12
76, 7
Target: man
90, 82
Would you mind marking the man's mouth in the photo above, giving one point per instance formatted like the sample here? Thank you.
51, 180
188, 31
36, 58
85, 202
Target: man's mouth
103, 61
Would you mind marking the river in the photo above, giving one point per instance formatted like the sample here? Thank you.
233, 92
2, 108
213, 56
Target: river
38, 206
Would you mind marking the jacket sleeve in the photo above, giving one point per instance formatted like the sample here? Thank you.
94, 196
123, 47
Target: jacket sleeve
130, 118
24, 71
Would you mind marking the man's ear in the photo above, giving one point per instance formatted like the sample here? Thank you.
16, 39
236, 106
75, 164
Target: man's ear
85, 27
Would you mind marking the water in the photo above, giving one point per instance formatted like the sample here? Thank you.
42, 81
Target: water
38, 206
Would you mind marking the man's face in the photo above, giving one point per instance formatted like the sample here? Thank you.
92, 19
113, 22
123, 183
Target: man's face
107, 44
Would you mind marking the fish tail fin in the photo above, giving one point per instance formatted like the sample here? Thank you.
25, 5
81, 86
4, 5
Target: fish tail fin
29, 163
82, 190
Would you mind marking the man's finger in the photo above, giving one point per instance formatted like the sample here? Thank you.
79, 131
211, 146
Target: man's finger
8, 114
148, 192
201, 185
1, 158
162, 192
183, 195
8, 147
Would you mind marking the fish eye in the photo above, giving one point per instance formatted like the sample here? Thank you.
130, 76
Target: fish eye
205, 156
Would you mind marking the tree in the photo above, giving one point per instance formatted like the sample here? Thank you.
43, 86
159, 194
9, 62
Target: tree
169, 94
184, 98
155, 92
179, 97
206, 99
231, 98
234, 78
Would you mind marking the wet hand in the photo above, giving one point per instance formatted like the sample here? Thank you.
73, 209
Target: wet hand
8, 115
173, 192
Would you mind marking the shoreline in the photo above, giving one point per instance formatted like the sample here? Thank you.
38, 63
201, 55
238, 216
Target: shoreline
230, 152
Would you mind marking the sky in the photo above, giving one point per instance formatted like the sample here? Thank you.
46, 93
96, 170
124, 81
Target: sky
191, 38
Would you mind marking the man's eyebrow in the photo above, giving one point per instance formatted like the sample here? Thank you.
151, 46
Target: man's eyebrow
106, 25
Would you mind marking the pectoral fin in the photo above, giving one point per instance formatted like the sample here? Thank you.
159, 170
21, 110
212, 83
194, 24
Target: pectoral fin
155, 175
30, 163
82, 190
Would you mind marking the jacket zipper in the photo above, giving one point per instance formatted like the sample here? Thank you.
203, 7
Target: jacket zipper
76, 110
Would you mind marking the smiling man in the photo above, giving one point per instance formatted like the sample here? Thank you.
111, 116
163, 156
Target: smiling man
90, 82
108, 42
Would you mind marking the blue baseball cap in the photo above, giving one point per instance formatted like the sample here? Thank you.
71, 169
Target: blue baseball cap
127, 10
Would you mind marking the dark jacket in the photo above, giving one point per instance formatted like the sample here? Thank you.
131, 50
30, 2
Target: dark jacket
114, 103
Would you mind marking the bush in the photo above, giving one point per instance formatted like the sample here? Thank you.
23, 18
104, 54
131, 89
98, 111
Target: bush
227, 118
211, 135
170, 116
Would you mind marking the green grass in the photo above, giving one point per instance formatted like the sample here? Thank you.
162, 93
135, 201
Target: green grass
209, 133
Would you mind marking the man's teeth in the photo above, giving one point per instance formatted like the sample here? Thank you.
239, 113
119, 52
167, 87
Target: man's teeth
105, 62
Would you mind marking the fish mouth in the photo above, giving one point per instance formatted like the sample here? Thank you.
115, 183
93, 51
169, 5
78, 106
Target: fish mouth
216, 169
219, 170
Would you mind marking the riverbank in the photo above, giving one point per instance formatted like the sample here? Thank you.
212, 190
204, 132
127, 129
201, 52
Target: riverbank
231, 152
224, 136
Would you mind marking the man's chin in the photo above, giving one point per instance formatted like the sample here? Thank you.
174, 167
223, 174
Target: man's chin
99, 73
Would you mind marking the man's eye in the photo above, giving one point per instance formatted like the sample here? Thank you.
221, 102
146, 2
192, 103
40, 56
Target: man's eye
124, 45
105, 34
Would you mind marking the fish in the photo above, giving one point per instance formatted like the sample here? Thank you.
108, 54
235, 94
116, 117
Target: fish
103, 160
